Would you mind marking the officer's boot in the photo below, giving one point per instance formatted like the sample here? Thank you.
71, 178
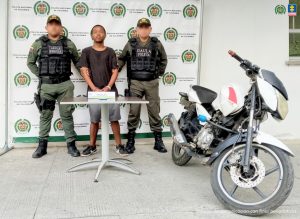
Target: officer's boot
41, 149
130, 142
159, 144
72, 149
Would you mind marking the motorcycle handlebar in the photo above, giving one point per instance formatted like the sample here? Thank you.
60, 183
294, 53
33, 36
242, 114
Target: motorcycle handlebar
236, 56
245, 64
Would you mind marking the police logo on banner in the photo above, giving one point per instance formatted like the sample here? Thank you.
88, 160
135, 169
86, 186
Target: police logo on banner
132, 33
22, 79
41, 8
22, 126
190, 11
169, 78
58, 126
170, 34
280, 9
188, 56
118, 10
80, 9
65, 31
154, 11
21, 32
165, 121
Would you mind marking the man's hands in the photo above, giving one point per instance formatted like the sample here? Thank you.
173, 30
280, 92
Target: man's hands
85, 72
105, 89
96, 89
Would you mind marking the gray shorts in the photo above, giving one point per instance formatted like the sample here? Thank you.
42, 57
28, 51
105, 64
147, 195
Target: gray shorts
95, 112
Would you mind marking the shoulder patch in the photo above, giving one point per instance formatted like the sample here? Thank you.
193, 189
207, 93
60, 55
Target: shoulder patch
66, 39
132, 40
154, 39
43, 38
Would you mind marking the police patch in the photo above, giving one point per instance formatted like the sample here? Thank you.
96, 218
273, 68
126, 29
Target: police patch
55, 50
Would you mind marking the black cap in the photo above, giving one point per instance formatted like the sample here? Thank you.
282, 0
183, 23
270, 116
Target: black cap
53, 17
143, 21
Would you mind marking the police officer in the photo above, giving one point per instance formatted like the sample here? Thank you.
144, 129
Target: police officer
146, 60
54, 54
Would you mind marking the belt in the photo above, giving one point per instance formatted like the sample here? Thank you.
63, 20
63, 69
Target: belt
143, 75
46, 80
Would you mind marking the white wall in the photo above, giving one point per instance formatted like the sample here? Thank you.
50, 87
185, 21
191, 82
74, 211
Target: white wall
253, 30
3, 61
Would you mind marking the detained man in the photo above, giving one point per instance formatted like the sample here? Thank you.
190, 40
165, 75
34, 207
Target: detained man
98, 66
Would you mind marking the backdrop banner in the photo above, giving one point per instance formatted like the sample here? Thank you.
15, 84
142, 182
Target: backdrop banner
175, 23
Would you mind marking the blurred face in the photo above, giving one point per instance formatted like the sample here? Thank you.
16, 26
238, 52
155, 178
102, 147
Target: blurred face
144, 31
98, 34
54, 29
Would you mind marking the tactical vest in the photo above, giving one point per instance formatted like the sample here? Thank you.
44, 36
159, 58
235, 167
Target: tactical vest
55, 59
142, 63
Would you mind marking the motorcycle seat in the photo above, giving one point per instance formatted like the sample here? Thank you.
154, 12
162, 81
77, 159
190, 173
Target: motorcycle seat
183, 94
205, 95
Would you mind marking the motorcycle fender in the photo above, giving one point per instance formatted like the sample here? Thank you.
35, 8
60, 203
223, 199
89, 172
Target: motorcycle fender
266, 139
260, 138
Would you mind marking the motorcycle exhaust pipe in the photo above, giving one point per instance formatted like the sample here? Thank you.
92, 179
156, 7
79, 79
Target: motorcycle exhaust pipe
177, 135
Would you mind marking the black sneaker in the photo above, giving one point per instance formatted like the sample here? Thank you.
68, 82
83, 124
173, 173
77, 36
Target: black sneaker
89, 150
120, 149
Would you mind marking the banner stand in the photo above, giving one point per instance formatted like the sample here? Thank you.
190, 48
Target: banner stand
4, 7
5, 149
200, 39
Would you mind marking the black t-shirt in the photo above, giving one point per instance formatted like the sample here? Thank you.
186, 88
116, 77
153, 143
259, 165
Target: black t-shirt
100, 64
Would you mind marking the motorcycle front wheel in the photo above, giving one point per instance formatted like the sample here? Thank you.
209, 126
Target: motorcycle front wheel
261, 190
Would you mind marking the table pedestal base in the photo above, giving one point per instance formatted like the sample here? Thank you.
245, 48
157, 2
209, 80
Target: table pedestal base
120, 163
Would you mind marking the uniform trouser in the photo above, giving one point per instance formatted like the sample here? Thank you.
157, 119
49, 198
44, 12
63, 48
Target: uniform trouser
149, 89
57, 92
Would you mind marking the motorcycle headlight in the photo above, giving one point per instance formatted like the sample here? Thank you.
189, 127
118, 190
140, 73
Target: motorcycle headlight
282, 107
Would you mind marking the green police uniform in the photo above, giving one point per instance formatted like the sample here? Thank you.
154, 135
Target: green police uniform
54, 70
55, 91
146, 61
147, 88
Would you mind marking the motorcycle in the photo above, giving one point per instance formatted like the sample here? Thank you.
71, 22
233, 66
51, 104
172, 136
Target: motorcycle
251, 171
